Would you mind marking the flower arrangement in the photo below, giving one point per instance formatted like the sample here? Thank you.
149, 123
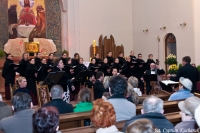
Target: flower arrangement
171, 59
173, 69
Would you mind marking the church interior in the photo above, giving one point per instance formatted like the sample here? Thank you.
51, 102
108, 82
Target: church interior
155, 42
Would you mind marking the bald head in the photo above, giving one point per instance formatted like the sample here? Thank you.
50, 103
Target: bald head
152, 66
152, 104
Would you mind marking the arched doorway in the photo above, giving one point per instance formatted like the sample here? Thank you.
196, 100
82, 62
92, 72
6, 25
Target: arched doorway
170, 45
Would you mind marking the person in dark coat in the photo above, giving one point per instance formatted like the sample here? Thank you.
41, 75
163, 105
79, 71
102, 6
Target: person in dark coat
31, 76
75, 60
22, 86
117, 65
106, 68
122, 61
150, 60
98, 86
57, 101
153, 111
80, 67
43, 70
93, 67
187, 71
64, 58
50, 60
110, 58
23, 65
98, 60
38, 60
8, 74
91, 80
132, 56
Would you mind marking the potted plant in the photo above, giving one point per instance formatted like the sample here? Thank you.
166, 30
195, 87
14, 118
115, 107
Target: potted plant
173, 69
171, 59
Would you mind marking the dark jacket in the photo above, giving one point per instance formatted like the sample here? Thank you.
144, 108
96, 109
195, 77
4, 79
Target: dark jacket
37, 62
22, 67
24, 90
99, 89
63, 80
20, 122
8, 73
122, 61
110, 60
5, 110
158, 120
43, 72
62, 106
89, 84
190, 72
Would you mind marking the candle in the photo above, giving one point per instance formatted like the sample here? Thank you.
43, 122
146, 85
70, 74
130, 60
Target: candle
94, 43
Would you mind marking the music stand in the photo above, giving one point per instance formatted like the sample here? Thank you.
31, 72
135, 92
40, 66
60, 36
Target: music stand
81, 76
53, 78
150, 77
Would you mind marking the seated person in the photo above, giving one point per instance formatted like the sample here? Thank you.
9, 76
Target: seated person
85, 104
185, 87
90, 82
114, 72
5, 110
103, 117
57, 100
21, 121
141, 126
22, 86
134, 82
187, 108
98, 86
106, 95
46, 120
131, 95
117, 87
153, 111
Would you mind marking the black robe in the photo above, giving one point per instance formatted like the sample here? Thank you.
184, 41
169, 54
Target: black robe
75, 62
110, 60
122, 61
37, 62
105, 68
43, 72
22, 67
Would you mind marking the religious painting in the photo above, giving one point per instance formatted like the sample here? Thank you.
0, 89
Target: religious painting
31, 47
26, 19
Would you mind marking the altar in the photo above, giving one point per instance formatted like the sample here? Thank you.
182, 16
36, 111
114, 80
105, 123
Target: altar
18, 46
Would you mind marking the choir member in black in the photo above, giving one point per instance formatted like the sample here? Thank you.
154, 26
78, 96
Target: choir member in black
117, 65
64, 58
38, 60
140, 71
98, 60
81, 66
75, 59
132, 56
31, 76
122, 61
50, 60
43, 70
92, 66
9, 75
154, 69
150, 60
106, 69
129, 69
110, 58
23, 65
91, 80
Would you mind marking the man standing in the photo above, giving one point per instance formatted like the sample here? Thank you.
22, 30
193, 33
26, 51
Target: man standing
21, 121
132, 56
187, 71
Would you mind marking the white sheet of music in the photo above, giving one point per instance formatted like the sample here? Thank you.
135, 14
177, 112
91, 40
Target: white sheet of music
166, 82
153, 72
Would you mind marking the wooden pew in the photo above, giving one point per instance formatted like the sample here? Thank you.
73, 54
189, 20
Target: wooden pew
172, 117
73, 120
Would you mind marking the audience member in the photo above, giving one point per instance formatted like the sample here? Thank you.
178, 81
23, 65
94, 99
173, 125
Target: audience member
46, 120
103, 117
21, 121
114, 72
187, 71
134, 82
98, 86
5, 110
123, 108
22, 86
187, 108
131, 95
85, 104
185, 87
106, 82
57, 100
106, 95
141, 126
197, 115
153, 110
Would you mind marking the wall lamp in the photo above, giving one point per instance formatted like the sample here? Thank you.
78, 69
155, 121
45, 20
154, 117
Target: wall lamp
145, 30
163, 27
183, 24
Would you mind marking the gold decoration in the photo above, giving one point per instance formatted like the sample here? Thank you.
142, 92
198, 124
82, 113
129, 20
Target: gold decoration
32, 47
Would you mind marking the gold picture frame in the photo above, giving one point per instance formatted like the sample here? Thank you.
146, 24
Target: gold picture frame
32, 47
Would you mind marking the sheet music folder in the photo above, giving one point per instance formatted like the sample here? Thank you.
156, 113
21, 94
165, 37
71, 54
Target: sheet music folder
53, 78
82, 76
150, 77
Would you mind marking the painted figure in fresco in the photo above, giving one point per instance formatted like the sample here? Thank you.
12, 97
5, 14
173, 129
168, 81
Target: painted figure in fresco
12, 18
40, 29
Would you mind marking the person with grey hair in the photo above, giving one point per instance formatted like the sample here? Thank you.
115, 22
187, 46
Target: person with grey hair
153, 111
57, 101
5, 110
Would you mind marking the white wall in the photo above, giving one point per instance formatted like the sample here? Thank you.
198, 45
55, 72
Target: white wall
88, 19
156, 13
